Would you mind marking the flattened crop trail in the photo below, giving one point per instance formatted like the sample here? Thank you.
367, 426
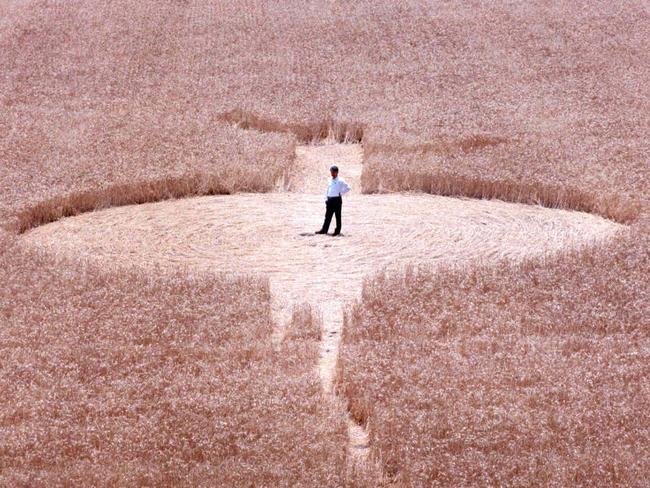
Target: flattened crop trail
272, 234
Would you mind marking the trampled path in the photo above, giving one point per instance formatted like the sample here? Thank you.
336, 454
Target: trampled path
273, 234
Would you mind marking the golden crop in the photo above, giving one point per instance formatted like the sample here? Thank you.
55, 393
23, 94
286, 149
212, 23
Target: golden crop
511, 374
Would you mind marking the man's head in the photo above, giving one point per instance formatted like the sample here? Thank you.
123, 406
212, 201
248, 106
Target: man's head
334, 171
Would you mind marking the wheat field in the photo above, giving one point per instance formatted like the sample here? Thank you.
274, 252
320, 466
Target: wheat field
168, 318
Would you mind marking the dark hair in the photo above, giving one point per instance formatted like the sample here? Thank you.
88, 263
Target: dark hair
334, 168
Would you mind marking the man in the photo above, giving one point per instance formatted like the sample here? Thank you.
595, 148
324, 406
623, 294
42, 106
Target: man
334, 202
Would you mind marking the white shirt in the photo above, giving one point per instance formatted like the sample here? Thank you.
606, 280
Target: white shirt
337, 187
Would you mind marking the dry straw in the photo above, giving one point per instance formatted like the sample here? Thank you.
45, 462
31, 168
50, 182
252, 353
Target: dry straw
514, 375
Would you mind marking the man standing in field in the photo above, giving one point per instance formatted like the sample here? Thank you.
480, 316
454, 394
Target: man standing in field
334, 201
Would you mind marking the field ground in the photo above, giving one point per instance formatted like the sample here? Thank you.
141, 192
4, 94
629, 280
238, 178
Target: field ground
271, 235
490, 362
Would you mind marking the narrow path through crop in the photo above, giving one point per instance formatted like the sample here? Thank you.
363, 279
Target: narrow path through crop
273, 234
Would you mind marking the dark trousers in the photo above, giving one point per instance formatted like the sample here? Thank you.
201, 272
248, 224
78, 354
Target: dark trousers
333, 207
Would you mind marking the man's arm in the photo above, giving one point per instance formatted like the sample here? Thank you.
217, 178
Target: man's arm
344, 187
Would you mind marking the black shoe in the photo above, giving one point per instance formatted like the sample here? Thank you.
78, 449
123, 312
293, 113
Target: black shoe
320, 232
336, 233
